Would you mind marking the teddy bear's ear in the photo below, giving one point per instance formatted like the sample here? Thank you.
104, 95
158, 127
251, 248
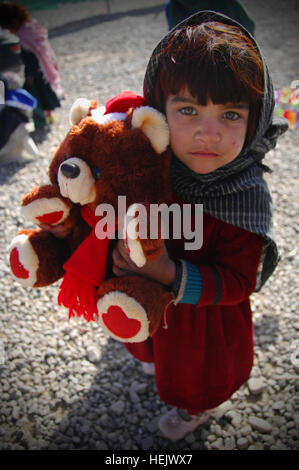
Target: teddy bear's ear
79, 110
154, 125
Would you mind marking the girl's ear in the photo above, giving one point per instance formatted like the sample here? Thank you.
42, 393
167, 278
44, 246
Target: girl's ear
153, 124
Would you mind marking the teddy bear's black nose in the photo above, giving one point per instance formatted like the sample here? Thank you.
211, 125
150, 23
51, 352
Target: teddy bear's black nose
70, 170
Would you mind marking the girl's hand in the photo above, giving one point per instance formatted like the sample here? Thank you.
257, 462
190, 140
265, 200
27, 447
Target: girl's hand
59, 230
162, 270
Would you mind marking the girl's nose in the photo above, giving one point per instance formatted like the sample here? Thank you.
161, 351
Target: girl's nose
207, 131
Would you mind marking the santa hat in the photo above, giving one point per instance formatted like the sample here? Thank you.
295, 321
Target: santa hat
124, 101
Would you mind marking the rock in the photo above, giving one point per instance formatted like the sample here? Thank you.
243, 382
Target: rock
256, 385
218, 444
93, 354
245, 430
278, 405
64, 424
103, 420
147, 443
259, 424
118, 407
256, 446
52, 375
235, 417
242, 443
190, 438
229, 443
222, 409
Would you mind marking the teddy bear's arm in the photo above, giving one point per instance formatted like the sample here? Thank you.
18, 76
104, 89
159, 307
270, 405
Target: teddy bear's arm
143, 241
45, 205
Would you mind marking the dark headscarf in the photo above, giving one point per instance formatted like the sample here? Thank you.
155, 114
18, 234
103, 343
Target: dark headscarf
237, 192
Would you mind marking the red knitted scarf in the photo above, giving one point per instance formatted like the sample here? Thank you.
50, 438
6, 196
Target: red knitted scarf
85, 271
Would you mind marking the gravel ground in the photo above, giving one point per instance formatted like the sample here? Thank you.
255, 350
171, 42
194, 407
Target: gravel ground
63, 384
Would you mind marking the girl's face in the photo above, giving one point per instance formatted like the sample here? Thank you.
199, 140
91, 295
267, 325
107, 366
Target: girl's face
205, 137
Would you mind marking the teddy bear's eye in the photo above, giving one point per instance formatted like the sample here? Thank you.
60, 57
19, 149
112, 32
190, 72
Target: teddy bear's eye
96, 172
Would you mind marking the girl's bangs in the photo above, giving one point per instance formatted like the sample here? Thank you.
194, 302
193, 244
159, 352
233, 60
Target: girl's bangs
209, 79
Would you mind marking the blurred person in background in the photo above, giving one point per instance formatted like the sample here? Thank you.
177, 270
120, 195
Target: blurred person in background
16, 104
42, 78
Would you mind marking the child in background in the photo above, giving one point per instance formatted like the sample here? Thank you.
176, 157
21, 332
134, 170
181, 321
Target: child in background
42, 77
209, 78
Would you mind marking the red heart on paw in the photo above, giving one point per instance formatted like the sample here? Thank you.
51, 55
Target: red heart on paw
119, 324
16, 265
51, 217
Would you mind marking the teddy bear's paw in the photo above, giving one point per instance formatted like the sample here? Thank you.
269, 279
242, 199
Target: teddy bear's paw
45, 205
23, 260
123, 317
131, 234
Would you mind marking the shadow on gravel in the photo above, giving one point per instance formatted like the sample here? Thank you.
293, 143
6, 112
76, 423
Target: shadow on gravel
266, 331
8, 169
75, 26
113, 416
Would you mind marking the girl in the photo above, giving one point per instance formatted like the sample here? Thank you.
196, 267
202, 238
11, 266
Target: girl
209, 78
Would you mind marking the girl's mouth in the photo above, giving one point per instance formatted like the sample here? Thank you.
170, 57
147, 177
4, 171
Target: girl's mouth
204, 154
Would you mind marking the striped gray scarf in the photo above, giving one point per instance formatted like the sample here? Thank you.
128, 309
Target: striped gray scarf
237, 192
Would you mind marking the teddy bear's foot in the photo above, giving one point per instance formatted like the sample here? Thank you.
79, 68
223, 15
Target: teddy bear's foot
34, 257
23, 260
122, 317
130, 308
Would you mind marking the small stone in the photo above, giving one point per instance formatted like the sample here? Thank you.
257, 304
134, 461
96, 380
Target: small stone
152, 426
245, 430
222, 409
118, 407
16, 412
278, 405
104, 420
64, 424
147, 443
235, 417
100, 445
93, 354
229, 443
256, 385
256, 446
259, 424
242, 443
218, 444
190, 438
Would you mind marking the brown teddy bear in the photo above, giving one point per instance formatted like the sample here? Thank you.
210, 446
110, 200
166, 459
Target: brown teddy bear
118, 154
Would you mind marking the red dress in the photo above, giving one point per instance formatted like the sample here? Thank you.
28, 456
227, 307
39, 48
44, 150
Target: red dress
206, 353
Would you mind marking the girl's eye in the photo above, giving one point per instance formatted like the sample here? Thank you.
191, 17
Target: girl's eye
187, 110
231, 115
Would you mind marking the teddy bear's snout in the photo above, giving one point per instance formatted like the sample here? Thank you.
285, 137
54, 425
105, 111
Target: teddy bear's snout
76, 181
70, 170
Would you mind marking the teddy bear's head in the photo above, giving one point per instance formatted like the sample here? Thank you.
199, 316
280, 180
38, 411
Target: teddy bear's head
108, 153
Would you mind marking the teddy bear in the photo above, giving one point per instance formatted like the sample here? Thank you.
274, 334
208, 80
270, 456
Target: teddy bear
111, 155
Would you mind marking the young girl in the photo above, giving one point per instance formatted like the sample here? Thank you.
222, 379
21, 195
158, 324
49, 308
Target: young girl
208, 76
